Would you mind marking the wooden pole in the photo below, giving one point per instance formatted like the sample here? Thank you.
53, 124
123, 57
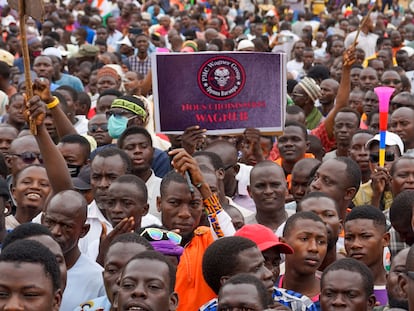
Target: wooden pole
26, 59
362, 23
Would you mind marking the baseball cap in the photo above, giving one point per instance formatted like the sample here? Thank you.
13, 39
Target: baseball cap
6, 57
87, 50
391, 139
83, 181
52, 51
125, 40
264, 238
245, 44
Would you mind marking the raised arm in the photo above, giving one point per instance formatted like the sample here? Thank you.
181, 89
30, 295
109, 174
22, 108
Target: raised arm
62, 123
341, 99
220, 221
53, 160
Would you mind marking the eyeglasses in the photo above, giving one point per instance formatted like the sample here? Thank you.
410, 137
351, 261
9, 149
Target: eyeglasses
234, 166
93, 128
396, 105
389, 82
29, 157
374, 157
160, 234
410, 274
298, 95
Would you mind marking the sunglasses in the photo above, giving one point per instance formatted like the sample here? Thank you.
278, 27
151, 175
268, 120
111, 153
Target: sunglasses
94, 127
298, 95
29, 157
374, 157
119, 114
410, 274
160, 234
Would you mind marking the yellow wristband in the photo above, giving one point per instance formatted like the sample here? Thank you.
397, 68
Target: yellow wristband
53, 104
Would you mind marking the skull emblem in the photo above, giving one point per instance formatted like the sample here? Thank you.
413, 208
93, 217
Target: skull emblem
221, 75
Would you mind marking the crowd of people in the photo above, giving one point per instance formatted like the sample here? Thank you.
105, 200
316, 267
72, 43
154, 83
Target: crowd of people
98, 211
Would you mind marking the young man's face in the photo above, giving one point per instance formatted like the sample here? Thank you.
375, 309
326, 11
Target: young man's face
116, 258
272, 261
125, 200
179, 209
103, 172
251, 261
346, 124
15, 110
25, 286
325, 208
403, 176
139, 150
73, 153
365, 241
308, 238
145, 284
358, 152
292, 144
345, 290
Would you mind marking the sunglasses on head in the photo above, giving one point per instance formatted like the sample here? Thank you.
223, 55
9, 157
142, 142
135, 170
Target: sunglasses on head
157, 234
374, 157
29, 157
94, 127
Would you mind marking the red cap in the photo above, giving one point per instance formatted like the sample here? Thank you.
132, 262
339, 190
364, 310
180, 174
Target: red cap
264, 238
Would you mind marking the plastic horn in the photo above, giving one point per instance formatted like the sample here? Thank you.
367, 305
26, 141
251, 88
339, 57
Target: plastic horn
384, 95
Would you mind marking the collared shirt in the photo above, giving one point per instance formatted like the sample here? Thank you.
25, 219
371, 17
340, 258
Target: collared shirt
288, 298
153, 186
96, 220
140, 66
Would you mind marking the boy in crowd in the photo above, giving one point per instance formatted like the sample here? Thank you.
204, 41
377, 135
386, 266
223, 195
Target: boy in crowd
365, 240
327, 209
306, 233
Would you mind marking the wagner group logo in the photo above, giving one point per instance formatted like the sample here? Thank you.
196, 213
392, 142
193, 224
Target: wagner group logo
221, 77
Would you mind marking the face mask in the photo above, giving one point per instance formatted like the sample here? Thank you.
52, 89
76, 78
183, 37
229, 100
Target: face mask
36, 53
74, 169
117, 125
73, 40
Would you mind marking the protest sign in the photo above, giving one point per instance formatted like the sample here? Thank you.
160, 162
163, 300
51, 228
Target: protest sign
223, 93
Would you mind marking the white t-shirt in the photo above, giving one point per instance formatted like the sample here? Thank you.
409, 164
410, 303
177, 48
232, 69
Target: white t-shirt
84, 283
